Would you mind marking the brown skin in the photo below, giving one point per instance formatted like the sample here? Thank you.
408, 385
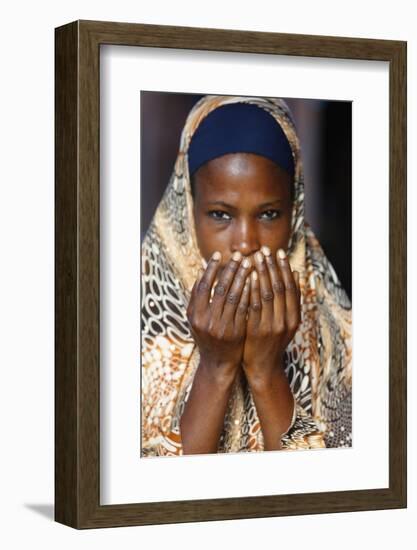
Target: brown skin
242, 203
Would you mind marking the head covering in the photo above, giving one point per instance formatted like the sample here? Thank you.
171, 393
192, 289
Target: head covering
318, 359
239, 128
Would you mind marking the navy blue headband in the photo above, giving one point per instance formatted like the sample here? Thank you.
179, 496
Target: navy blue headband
239, 128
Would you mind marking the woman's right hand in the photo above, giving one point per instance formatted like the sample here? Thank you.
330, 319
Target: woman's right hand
219, 325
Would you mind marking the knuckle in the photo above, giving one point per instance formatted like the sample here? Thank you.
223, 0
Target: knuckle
281, 327
267, 296
232, 298
290, 286
220, 289
197, 325
293, 323
278, 287
242, 308
212, 331
256, 306
202, 287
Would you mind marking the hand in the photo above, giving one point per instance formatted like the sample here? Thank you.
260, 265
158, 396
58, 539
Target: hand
273, 317
219, 326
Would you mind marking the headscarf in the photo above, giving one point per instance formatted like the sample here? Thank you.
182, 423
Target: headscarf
317, 360
239, 128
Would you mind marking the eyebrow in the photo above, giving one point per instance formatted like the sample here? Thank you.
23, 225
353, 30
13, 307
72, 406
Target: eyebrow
226, 205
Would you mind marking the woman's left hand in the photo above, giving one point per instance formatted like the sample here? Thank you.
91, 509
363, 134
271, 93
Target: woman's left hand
273, 317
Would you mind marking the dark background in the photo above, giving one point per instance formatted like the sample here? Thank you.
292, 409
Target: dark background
325, 132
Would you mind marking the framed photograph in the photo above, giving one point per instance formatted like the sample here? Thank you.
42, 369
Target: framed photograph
230, 333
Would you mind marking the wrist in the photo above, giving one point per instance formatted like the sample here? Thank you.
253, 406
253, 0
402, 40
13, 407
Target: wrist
264, 379
264, 372
218, 373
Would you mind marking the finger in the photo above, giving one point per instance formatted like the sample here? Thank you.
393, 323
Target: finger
266, 294
202, 290
234, 294
242, 308
254, 313
223, 285
278, 287
291, 292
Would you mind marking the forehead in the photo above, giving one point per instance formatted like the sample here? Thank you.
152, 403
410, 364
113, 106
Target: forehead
233, 173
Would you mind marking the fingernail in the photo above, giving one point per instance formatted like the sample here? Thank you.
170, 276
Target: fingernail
254, 276
236, 256
216, 256
246, 263
259, 257
281, 254
266, 251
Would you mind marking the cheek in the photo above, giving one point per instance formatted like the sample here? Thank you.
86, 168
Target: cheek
210, 241
277, 236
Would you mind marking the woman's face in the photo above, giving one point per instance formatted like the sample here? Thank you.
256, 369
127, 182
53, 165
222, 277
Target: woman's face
242, 201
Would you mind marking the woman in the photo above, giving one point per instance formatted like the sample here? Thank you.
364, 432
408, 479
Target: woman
253, 352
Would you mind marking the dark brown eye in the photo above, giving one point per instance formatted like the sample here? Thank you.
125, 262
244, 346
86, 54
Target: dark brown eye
219, 215
271, 214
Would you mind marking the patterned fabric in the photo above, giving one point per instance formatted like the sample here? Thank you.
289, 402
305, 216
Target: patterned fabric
318, 360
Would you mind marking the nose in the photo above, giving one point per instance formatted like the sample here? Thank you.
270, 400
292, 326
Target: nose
245, 238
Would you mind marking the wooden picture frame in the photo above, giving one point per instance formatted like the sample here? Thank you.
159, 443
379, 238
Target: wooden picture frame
77, 358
